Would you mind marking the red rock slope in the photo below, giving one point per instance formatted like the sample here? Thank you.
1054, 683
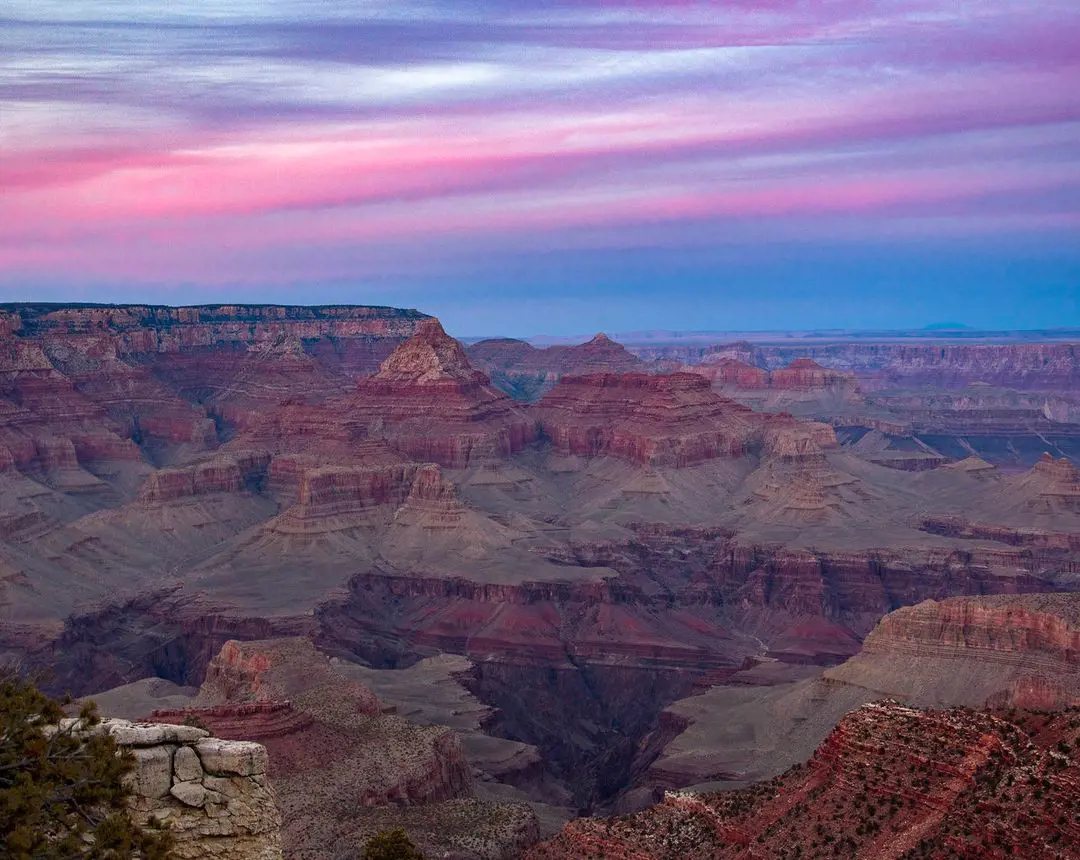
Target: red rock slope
888, 782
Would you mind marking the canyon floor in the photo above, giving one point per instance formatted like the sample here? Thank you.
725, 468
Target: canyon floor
557, 581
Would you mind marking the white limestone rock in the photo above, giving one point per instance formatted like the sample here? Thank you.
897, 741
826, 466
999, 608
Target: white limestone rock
151, 734
242, 758
186, 766
152, 777
189, 794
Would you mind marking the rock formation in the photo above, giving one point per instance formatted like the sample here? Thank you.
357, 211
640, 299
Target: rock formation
1004, 651
892, 363
888, 782
211, 794
341, 768
103, 375
429, 404
803, 374
598, 557
660, 420
527, 373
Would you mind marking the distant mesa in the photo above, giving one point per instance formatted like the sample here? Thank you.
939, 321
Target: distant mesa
527, 372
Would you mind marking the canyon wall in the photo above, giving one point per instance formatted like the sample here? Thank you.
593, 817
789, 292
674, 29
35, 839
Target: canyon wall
1042, 366
1016, 651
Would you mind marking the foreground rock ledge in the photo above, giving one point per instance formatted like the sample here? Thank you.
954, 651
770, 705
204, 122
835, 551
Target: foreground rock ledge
211, 793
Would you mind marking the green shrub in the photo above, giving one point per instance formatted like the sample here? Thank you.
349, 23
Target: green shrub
63, 794
391, 845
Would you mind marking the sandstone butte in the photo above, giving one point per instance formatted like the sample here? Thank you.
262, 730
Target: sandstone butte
629, 540
434, 407
663, 420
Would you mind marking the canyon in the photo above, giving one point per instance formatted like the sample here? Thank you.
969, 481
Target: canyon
535, 576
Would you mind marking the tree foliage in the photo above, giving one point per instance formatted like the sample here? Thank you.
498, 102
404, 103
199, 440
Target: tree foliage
391, 845
62, 789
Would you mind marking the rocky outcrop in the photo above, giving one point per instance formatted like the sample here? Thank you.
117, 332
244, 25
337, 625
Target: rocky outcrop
1019, 651
806, 374
527, 373
211, 794
336, 759
220, 475
660, 420
672, 420
163, 633
1033, 537
331, 498
888, 782
428, 403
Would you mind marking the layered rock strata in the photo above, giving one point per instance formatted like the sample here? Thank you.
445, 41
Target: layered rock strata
669, 420
430, 405
1016, 651
527, 373
888, 782
888, 363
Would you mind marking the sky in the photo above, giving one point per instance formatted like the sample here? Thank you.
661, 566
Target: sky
522, 167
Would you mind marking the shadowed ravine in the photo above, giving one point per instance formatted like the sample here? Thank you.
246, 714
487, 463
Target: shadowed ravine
595, 725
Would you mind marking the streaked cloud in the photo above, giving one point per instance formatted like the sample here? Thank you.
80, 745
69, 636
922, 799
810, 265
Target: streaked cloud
213, 143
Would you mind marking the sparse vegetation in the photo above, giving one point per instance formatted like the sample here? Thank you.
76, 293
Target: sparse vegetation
391, 845
62, 792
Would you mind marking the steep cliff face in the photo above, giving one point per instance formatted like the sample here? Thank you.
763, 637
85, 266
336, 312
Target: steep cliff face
223, 474
160, 376
888, 782
527, 373
136, 329
1020, 651
331, 498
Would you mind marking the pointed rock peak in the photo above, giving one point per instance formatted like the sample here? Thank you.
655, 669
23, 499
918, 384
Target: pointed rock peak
430, 355
972, 464
1060, 471
601, 339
